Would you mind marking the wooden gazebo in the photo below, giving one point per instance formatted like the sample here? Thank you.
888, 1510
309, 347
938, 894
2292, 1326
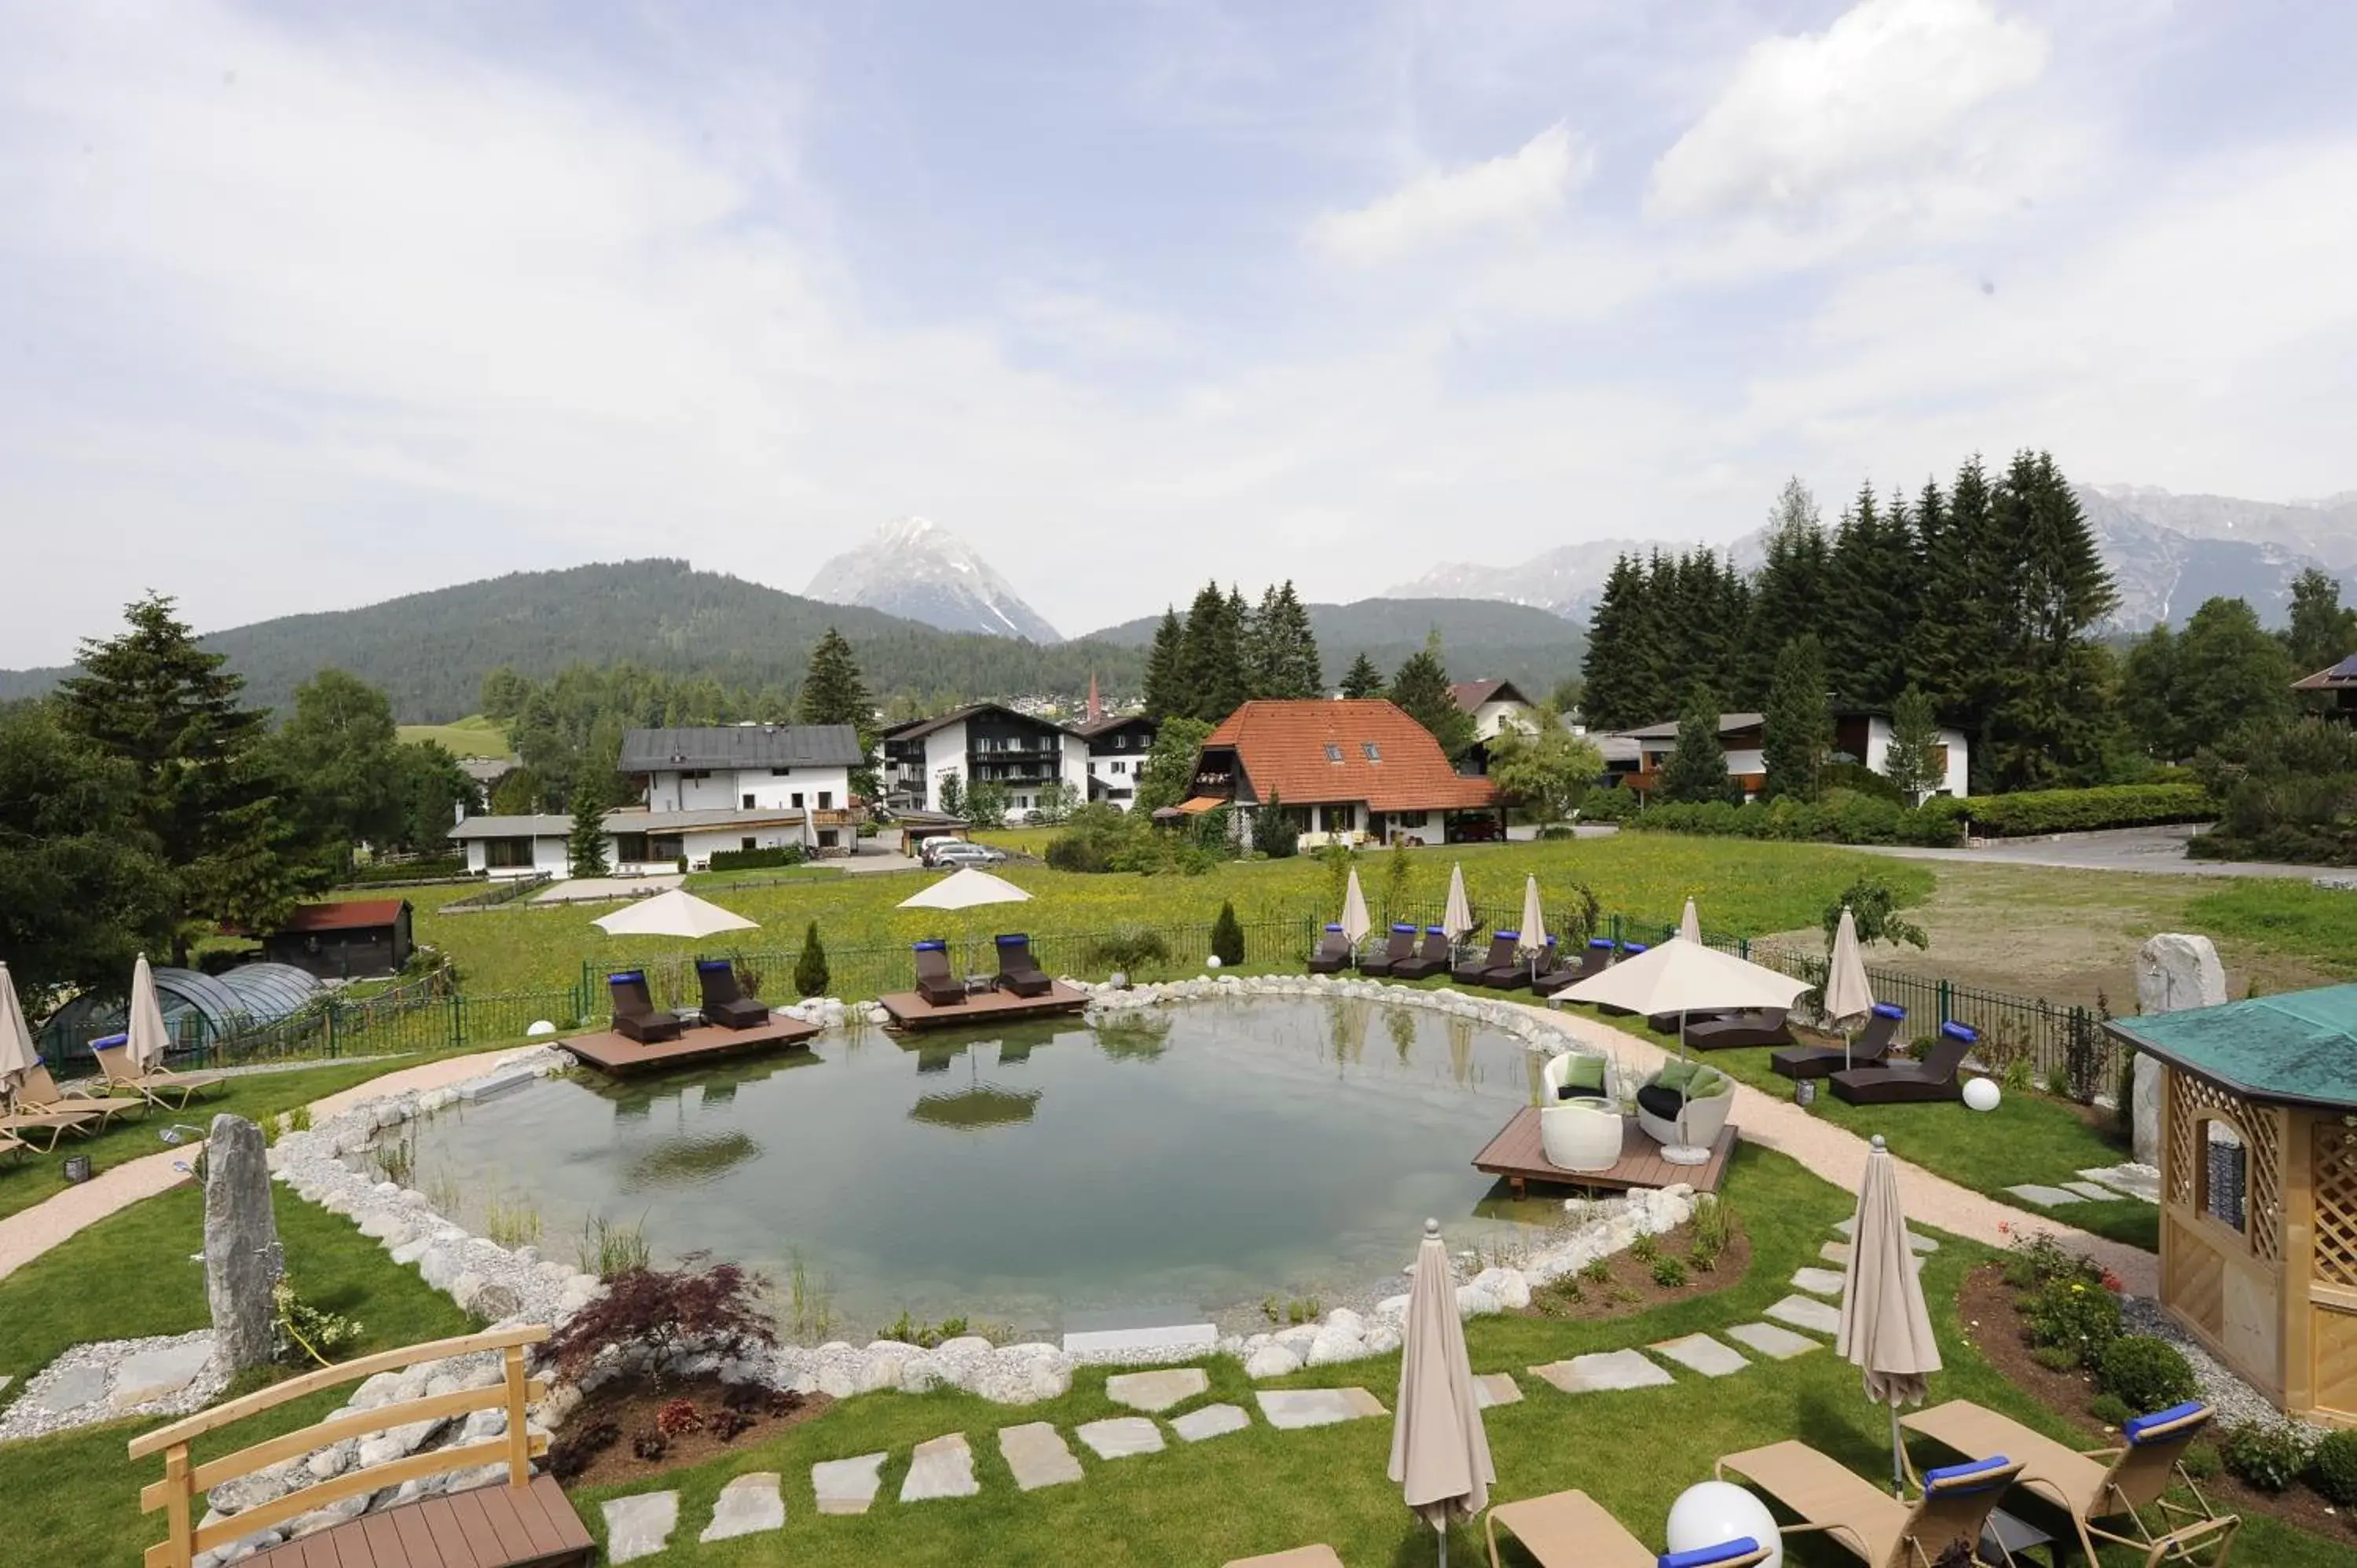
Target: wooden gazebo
2258, 1189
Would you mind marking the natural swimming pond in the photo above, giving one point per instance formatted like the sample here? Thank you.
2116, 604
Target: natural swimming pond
1196, 1159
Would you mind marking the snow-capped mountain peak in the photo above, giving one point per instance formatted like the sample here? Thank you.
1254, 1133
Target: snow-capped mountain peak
915, 568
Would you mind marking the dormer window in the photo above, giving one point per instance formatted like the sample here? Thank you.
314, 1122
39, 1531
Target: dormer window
1333, 752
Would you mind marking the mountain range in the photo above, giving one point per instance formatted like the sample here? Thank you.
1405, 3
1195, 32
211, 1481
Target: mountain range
2168, 553
921, 571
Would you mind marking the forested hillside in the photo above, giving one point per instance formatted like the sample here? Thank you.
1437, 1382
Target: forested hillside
429, 652
1480, 639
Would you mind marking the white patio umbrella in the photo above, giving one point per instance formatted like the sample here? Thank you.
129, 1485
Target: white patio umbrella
1440, 1454
1885, 1330
1355, 923
677, 913
1849, 997
1457, 918
1690, 925
1532, 939
966, 888
149, 1036
18, 1057
1683, 977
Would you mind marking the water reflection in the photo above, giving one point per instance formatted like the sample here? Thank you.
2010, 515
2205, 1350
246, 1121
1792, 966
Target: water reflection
690, 1160
1347, 1018
983, 1105
1133, 1037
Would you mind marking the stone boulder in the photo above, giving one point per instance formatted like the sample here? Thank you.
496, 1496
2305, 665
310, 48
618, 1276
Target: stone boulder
243, 1259
2174, 971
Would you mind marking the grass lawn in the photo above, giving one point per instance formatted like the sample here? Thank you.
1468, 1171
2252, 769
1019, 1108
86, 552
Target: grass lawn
2297, 919
473, 736
705, 881
1740, 886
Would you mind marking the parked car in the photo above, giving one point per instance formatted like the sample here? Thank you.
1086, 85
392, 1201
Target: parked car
958, 852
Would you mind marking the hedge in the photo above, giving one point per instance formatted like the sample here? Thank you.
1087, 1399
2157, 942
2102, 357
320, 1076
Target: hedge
449, 868
1842, 818
2080, 810
756, 859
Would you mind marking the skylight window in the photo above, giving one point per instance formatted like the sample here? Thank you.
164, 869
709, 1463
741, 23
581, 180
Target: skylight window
1373, 753
1333, 752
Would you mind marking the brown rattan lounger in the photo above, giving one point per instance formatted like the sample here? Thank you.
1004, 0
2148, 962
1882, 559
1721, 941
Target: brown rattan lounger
725, 1002
935, 983
1019, 971
635, 1015
1904, 1082
1871, 1048
1734, 1031
1333, 954
1398, 948
1431, 958
1501, 957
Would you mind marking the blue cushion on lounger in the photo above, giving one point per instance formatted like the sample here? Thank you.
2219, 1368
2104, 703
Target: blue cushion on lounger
628, 977
1956, 1480
1434, 931
1632, 947
1604, 942
1889, 1010
108, 1042
936, 945
1509, 936
1013, 938
1704, 1556
2174, 1422
713, 965
1333, 925
1409, 928
1963, 1032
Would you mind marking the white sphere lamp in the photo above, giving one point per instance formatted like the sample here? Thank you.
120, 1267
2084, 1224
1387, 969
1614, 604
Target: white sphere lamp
542, 1027
1212, 962
1982, 1094
1712, 1514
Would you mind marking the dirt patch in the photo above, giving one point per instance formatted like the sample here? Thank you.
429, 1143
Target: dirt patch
1995, 1328
602, 1437
1625, 1285
2068, 935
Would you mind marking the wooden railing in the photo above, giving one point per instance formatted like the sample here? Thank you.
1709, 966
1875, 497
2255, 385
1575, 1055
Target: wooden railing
183, 1483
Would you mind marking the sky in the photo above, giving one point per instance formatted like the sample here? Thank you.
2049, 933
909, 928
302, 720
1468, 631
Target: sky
306, 306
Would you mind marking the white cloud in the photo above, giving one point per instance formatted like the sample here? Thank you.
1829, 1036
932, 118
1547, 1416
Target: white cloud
1517, 189
1890, 91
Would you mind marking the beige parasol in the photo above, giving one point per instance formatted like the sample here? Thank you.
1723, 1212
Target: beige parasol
1355, 923
1457, 918
1532, 937
18, 1057
677, 913
149, 1036
1690, 925
1848, 998
1885, 1330
1440, 1455
966, 888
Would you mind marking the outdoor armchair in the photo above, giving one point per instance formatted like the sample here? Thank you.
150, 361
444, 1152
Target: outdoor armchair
1401, 946
1834, 1499
935, 983
1333, 954
1871, 1048
1019, 971
1431, 958
1699, 1097
1900, 1082
1580, 1129
725, 1003
635, 1015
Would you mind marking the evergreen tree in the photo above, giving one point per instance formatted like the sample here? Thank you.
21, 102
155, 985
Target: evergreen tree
2321, 633
1164, 778
2051, 723
1696, 768
811, 976
519, 794
1788, 598
1912, 761
1165, 690
1210, 657
833, 692
1421, 690
1284, 657
1274, 831
1798, 727
585, 846
1228, 937
1871, 579
1362, 679
1617, 677
207, 802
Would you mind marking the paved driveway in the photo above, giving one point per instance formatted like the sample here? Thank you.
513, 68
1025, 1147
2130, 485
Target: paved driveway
2161, 850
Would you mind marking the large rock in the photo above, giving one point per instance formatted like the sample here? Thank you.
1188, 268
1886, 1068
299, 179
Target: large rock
242, 1257
2173, 972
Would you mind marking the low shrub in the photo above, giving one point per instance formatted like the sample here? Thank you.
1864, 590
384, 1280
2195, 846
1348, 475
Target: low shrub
1613, 805
2200, 1462
1128, 948
811, 976
677, 1417
2034, 1260
718, 1308
2111, 1409
1669, 1274
2080, 810
2264, 1457
306, 1330
2145, 1373
445, 868
1843, 817
2074, 1315
756, 859
1228, 937
2332, 1468
1645, 1247
2056, 1358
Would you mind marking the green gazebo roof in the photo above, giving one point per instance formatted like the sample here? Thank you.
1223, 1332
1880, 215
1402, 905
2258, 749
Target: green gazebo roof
2300, 1049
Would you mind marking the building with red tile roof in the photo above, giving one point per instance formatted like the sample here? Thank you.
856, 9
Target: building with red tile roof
1359, 767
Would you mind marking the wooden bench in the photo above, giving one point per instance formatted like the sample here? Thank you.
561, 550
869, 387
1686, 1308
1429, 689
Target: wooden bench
521, 1522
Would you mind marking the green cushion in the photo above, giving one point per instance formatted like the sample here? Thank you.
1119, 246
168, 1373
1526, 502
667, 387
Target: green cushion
1676, 1076
1708, 1083
1584, 1071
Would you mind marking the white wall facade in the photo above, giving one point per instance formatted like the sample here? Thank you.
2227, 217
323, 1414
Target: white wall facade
749, 789
548, 859
1958, 779
1491, 717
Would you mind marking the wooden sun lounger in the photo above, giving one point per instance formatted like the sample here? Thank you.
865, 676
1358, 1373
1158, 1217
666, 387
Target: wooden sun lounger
1571, 1529
2113, 1494
172, 1090
1834, 1499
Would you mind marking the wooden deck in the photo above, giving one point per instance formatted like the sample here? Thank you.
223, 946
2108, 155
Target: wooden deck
911, 1011
1517, 1155
497, 1526
615, 1053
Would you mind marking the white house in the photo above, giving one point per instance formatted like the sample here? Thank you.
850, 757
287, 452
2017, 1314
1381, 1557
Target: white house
1862, 736
506, 847
1117, 749
1493, 705
983, 742
1866, 736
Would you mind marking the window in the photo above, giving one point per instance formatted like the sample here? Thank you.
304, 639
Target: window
696, 773
828, 838
747, 844
798, 798
1121, 768
499, 852
1333, 752
1372, 754
1409, 819
826, 800
780, 772
748, 802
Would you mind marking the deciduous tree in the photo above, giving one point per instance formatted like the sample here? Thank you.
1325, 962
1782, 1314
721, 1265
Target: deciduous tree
1541, 767
1169, 766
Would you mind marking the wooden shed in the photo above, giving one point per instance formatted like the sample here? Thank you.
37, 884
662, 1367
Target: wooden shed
344, 942
2258, 1189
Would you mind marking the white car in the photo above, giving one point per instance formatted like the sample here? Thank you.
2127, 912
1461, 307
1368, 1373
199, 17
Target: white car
958, 852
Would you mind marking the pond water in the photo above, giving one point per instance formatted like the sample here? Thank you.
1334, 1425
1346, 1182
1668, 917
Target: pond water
1193, 1160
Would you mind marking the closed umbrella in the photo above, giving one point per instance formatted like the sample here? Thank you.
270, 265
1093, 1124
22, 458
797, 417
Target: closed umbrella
1690, 925
1355, 924
1848, 998
677, 913
1457, 918
1440, 1455
1534, 937
18, 1057
149, 1034
1885, 1331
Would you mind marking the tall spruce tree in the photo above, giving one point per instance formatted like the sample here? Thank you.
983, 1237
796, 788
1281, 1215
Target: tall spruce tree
1281, 648
1871, 582
1362, 679
2051, 723
1797, 731
1961, 638
1617, 675
1211, 656
584, 845
1695, 772
1788, 596
1165, 686
207, 802
1912, 759
833, 691
1421, 691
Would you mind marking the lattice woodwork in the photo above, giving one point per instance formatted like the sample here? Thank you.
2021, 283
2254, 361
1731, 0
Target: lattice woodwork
2189, 1098
2262, 1214
2258, 1127
2333, 1177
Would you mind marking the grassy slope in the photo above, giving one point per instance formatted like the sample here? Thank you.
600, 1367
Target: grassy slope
473, 736
2298, 919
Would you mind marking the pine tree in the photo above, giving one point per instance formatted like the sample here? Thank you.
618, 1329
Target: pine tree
810, 966
1696, 768
1911, 760
2051, 723
1871, 581
1616, 677
1962, 641
585, 847
207, 802
1165, 690
1788, 598
1228, 937
1210, 659
1798, 728
833, 692
1421, 691
1362, 679
1288, 658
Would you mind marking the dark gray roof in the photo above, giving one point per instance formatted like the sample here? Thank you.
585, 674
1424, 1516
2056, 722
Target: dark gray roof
548, 825
1118, 721
923, 728
741, 746
1668, 730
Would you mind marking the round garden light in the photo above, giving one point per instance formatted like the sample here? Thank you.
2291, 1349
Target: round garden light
1713, 1513
1982, 1094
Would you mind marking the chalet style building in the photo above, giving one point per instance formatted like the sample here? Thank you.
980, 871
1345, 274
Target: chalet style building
1491, 706
1351, 771
981, 742
2339, 682
359, 938
1117, 749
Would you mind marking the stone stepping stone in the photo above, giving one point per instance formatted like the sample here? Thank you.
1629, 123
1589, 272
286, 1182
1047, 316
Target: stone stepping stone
747, 1505
2095, 1192
1288, 1408
1604, 1371
2045, 1197
638, 1527
847, 1485
1777, 1344
1212, 1421
1495, 1388
1701, 1353
1837, 1253
2135, 1181
1819, 1281
940, 1468
1807, 1312
1921, 1243
1155, 1392
160, 1374
64, 1392
1120, 1436
1036, 1454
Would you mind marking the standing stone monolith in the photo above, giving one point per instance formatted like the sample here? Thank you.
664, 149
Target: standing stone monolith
242, 1256
2173, 972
